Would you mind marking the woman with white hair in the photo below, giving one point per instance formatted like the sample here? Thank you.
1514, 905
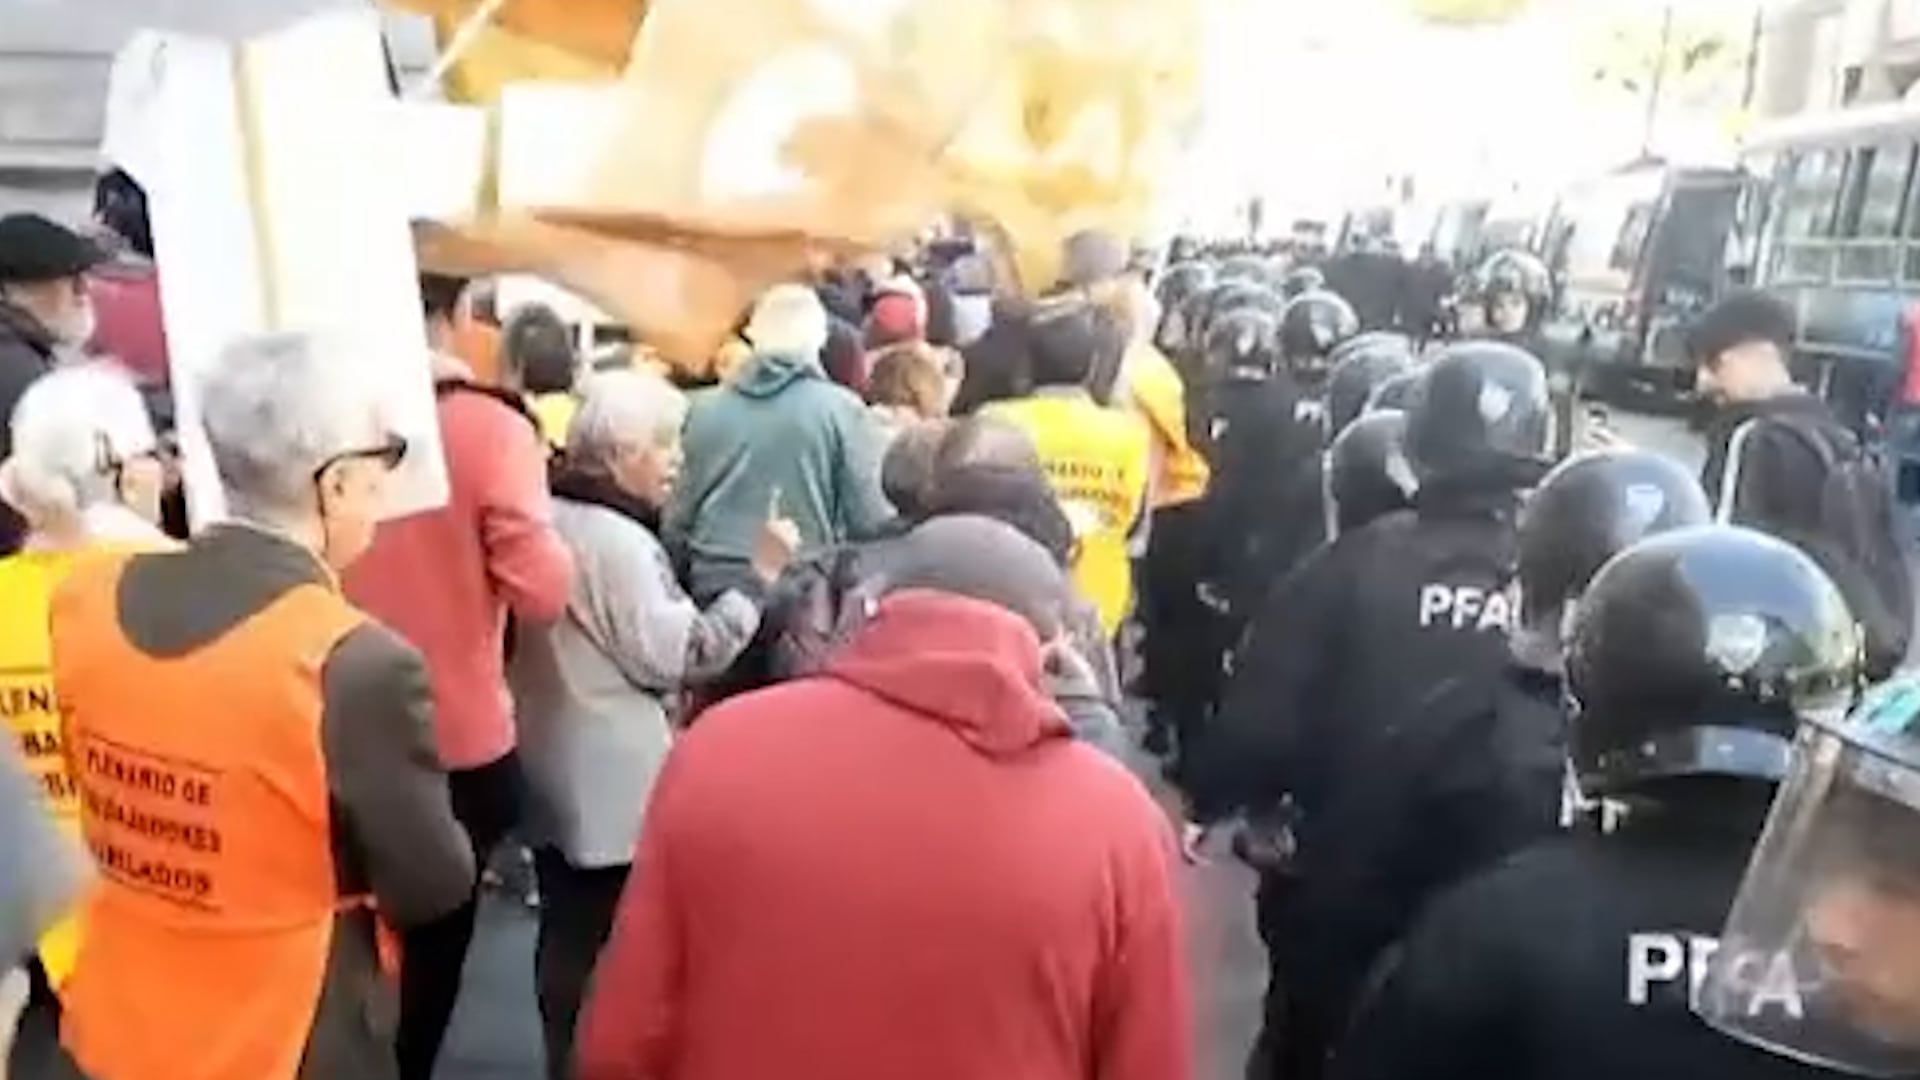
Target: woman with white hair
85, 474
594, 691
254, 758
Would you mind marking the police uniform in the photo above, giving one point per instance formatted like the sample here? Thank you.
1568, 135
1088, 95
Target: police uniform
1572, 961
1326, 709
1578, 958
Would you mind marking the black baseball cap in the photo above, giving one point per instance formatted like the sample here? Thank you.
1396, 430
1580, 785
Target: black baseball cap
34, 248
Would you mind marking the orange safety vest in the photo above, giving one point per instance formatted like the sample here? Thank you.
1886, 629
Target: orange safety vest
204, 800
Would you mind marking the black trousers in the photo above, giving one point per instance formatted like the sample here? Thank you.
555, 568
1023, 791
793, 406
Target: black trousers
36, 1042
577, 906
488, 801
1184, 638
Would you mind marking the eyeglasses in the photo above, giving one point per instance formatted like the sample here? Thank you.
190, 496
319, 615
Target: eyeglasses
389, 454
109, 462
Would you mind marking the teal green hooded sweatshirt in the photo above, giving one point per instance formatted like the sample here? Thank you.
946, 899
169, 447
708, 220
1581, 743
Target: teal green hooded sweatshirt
780, 426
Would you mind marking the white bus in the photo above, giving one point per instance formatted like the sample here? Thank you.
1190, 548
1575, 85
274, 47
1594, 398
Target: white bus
1832, 219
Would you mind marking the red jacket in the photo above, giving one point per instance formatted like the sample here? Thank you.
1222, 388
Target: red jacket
446, 580
904, 868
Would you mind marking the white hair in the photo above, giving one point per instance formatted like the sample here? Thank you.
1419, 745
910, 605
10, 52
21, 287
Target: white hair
70, 430
275, 408
621, 411
788, 319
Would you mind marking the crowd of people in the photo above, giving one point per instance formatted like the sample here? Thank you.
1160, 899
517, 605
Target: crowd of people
807, 689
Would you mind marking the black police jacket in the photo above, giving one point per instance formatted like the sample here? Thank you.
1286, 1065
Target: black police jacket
1262, 506
1349, 647
1572, 961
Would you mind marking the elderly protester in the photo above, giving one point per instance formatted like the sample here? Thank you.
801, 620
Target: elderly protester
777, 434
284, 738
903, 865
85, 475
44, 309
595, 690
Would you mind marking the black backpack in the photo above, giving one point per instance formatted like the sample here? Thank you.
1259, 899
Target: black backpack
1857, 541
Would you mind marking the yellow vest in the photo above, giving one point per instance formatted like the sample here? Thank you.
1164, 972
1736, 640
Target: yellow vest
554, 413
27, 582
1097, 461
1155, 392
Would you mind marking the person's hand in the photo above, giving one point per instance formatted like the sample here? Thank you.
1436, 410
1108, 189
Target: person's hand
1067, 673
1193, 842
779, 541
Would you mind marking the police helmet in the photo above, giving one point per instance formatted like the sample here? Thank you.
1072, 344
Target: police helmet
1315, 323
1367, 475
1223, 298
1301, 280
1590, 508
1251, 269
1480, 414
1396, 393
1360, 366
1174, 292
1695, 653
1245, 340
1512, 272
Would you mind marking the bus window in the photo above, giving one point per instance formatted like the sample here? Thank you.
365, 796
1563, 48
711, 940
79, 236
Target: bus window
1632, 238
1880, 191
1808, 201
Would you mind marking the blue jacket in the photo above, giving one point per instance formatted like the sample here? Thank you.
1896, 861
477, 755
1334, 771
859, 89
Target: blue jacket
779, 427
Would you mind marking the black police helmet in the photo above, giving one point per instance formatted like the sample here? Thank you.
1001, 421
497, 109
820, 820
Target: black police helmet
1480, 414
1514, 272
1315, 323
1244, 340
1696, 652
1590, 508
1396, 393
1300, 280
1368, 476
1248, 268
1360, 366
1176, 291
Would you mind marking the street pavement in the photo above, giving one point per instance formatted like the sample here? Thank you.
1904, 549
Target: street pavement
496, 1031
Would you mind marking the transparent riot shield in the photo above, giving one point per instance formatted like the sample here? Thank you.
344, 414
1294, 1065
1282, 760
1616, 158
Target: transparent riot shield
1820, 960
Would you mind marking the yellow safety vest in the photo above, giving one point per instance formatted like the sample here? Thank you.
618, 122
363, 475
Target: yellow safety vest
28, 703
1097, 461
1155, 392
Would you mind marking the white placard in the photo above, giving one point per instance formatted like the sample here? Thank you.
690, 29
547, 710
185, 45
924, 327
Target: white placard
437, 155
314, 237
551, 138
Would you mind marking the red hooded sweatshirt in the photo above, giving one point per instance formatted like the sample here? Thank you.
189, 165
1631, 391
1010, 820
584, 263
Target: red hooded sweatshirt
905, 869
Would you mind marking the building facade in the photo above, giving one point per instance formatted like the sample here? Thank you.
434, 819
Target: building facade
54, 59
1817, 55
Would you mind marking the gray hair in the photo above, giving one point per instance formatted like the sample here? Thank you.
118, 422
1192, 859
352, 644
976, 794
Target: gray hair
70, 429
985, 442
906, 472
620, 411
276, 408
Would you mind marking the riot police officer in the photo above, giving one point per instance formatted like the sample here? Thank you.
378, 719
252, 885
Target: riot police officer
1265, 440
1515, 292
1360, 366
1301, 280
1820, 960
1367, 474
1330, 684
1587, 510
1692, 657
1177, 285
1312, 326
